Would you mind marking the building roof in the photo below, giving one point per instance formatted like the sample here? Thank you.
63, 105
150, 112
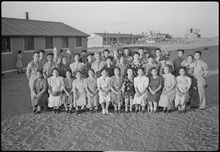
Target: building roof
24, 27
117, 35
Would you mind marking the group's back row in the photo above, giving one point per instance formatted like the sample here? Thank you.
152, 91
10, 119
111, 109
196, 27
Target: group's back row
84, 62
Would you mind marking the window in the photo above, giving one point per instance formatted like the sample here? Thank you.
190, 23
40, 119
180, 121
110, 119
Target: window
28, 43
6, 44
104, 39
65, 42
78, 41
48, 42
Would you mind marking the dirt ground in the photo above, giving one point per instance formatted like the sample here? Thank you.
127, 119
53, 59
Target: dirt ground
195, 130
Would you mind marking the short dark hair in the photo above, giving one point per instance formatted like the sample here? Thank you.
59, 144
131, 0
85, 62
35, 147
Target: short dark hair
83, 51
150, 56
182, 67
106, 50
181, 50
55, 69
76, 54
109, 57
141, 48
36, 52
90, 69
41, 71
42, 51
61, 50
141, 68
154, 68
136, 53
198, 52
191, 56
158, 49
19, 51
117, 68
50, 54
121, 56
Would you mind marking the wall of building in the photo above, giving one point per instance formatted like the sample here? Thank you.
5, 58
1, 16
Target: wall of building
96, 40
17, 43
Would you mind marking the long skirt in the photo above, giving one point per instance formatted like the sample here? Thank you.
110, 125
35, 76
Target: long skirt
54, 101
103, 98
41, 100
19, 64
31, 83
140, 100
181, 100
116, 98
92, 101
80, 101
67, 99
166, 100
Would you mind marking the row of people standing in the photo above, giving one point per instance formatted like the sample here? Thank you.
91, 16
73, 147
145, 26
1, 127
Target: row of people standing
124, 63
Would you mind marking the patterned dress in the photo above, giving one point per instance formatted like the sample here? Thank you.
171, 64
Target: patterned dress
116, 83
129, 88
68, 85
76, 67
62, 69
123, 68
91, 84
135, 66
85, 69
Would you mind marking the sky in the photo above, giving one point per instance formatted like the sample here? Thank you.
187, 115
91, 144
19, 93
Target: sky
125, 17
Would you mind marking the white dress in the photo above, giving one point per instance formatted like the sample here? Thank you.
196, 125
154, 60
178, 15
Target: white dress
56, 85
104, 84
183, 84
141, 83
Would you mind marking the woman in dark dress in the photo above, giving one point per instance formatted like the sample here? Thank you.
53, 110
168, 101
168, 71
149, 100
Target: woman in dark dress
40, 94
155, 86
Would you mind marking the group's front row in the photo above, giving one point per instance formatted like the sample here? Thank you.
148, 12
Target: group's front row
166, 91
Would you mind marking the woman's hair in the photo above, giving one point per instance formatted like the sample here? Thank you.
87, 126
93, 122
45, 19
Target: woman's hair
19, 51
106, 50
136, 53
78, 71
182, 67
69, 70
40, 71
91, 70
50, 54
191, 56
76, 54
117, 68
42, 51
121, 57
141, 68
168, 66
55, 69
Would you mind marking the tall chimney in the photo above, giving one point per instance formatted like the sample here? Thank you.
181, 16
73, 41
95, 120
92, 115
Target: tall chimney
26, 16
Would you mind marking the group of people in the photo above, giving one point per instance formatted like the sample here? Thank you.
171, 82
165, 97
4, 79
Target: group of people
137, 81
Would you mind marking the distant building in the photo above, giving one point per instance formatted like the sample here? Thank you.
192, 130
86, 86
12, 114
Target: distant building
193, 33
103, 39
163, 36
30, 35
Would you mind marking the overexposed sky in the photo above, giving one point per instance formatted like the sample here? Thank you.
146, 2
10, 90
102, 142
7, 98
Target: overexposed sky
124, 17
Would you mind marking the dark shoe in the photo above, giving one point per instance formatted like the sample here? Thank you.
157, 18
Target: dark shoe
136, 111
164, 111
38, 111
70, 112
55, 110
90, 111
76, 113
34, 111
58, 111
67, 111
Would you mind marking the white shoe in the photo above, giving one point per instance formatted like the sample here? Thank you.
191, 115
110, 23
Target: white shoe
103, 111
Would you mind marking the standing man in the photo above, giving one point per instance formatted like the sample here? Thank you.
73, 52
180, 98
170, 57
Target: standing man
49, 66
142, 55
42, 57
106, 53
177, 62
200, 73
97, 65
83, 58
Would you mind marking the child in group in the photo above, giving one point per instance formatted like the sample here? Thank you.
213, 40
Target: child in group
103, 84
155, 86
68, 92
182, 90
116, 86
19, 64
128, 89
55, 83
168, 93
79, 91
92, 91
140, 84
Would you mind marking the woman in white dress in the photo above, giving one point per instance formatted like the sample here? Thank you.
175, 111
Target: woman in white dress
182, 90
79, 92
168, 93
140, 84
55, 83
104, 88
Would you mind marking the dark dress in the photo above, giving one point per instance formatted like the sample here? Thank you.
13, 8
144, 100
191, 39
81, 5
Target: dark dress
154, 84
62, 69
38, 86
129, 88
85, 69
110, 70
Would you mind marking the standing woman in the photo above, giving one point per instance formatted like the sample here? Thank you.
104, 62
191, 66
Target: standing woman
92, 91
135, 64
67, 97
19, 64
128, 89
104, 88
116, 89
87, 65
76, 66
122, 65
168, 93
31, 71
155, 86
79, 91
182, 90
140, 84
149, 65
193, 91
62, 66
40, 94
55, 83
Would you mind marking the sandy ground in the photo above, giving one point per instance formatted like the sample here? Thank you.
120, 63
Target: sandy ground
195, 130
